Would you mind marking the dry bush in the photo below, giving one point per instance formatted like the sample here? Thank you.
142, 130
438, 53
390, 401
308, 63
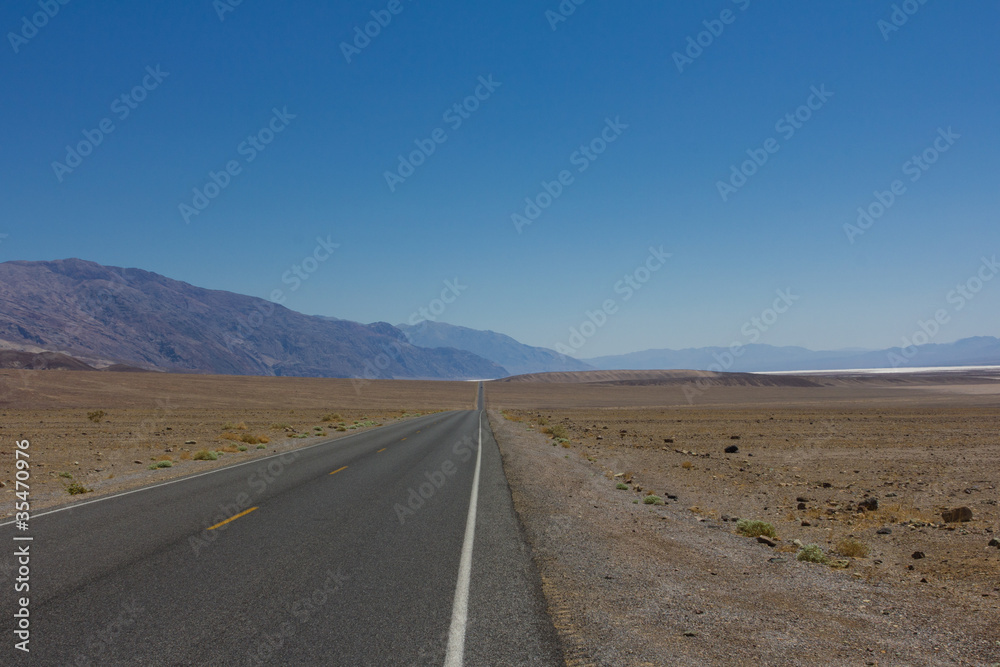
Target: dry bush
852, 548
185, 456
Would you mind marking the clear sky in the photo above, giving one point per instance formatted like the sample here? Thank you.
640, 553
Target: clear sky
310, 127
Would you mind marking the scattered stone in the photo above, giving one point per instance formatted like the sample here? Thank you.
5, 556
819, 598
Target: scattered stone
775, 560
884, 531
726, 517
668, 441
802, 499
868, 505
801, 506
600, 437
798, 543
732, 449
190, 442
734, 437
840, 564
690, 633
827, 485
957, 515
994, 543
917, 555
805, 524
137, 461
763, 539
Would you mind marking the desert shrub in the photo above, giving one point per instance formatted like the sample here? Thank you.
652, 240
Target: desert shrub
185, 455
261, 446
755, 528
242, 448
621, 486
653, 500
687, 465
852, 548
161, 464
812, 553
332, 417
96, 416
280, 426
558, 431
77, 488
206, 455
66, 475
341, 428
542, 421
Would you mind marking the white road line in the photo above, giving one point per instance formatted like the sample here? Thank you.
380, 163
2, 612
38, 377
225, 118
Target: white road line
460, 609
201, 474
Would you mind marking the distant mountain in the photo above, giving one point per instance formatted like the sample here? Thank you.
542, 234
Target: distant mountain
516, 357
978, 351
103, 315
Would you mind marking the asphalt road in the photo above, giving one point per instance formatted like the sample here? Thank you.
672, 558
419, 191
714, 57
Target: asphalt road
351, 555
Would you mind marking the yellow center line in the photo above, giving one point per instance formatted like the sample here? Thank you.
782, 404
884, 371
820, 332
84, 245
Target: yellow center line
232, 518
403, 439
381, 450
338, 470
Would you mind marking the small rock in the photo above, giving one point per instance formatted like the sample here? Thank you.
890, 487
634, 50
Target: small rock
763, 539
726, 517
668, 440
600, 437
868, 505
884, 531
994, 543
917, 555
690, 633
190, 442
840, 564
957, 515
776, 560
801, 506
827, 485
805, 524
732, 449
137, 461
734, 437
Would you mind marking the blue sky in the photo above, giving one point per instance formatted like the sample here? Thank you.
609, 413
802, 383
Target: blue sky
888, 95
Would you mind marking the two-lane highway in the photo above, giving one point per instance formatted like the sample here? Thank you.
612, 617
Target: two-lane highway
349, 552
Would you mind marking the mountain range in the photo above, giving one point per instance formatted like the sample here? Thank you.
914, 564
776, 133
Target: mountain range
128, 319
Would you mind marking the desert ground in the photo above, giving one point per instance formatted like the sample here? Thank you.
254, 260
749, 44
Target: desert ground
629, 498
861, 467
99, 432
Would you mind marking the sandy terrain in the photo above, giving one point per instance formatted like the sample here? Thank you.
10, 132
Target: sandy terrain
636, 584
152, 417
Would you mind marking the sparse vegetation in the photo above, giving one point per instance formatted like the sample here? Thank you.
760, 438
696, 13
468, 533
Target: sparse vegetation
812, 553
242, 448
161, 464
652, 499
621, 486
67, 475
687, 465
247, 438
332, 417
206, 455
755, 528
341, 428
261, 446
96, 416
280, 426
76, 488
852, 548
542, 421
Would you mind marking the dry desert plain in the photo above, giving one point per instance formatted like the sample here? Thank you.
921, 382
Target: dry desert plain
631, 583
